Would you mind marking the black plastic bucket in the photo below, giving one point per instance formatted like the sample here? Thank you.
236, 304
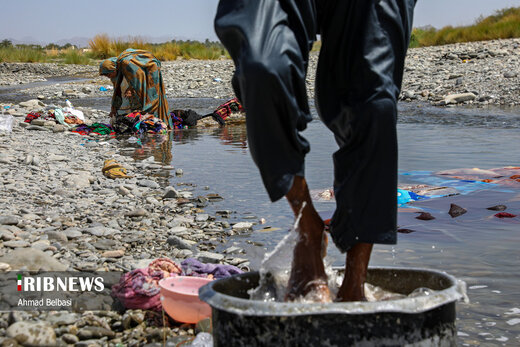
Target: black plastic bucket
415, 321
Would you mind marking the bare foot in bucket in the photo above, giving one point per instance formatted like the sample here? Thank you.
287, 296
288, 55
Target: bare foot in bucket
308, 278
353, 286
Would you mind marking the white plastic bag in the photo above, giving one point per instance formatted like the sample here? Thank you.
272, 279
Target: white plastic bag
70, 109
6, 122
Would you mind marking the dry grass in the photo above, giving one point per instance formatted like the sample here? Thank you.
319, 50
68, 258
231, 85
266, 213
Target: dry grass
504, 24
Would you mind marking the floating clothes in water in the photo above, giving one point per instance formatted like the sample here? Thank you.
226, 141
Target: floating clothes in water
193, 267
112, 169
505, 215
509, 175
137, 123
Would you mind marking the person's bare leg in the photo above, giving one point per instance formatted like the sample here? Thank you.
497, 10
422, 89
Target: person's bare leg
308, 272
352, 288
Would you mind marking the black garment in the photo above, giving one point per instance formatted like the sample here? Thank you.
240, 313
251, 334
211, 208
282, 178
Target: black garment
359, 75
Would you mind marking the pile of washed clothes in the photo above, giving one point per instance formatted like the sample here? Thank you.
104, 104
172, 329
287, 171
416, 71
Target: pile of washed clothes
139, 288
67, 116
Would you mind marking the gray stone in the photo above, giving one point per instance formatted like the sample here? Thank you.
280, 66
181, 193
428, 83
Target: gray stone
148, 183
140, 212
70, 339
242, 226
57, 236
178, 242
101, 231
32, 333
510, 74
6, 235
32, 104
88, 333
458, 98
179, 172
33, 259
72, 233
16, 244
81, 180
209, 257
9, 220
201, 217
58, 128
62, 318
37, 127
171, 193
104, 244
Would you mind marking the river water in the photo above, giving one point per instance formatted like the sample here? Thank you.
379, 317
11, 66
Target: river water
476, 247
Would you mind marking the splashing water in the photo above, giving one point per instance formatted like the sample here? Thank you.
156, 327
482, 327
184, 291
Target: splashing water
276, 267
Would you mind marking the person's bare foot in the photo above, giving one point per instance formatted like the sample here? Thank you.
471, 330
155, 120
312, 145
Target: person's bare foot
308, 278
353, 286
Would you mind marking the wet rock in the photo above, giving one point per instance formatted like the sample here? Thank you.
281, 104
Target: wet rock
242, 226
32, 333
497, 208
171, 193
425, 216
456, 211
505, 215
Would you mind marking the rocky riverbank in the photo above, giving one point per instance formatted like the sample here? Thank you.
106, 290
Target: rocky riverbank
476, 73
59, 212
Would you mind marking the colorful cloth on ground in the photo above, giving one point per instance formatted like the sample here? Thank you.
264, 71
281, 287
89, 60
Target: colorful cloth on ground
139, 288
96, 128
142, 71
227, 108
509, 175
193, 267
32, 116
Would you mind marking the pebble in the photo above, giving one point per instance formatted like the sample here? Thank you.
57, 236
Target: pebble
32, 333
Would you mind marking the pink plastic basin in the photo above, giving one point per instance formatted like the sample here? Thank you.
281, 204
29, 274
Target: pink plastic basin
180, 298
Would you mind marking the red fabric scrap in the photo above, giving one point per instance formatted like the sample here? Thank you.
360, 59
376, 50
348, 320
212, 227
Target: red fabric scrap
505, 215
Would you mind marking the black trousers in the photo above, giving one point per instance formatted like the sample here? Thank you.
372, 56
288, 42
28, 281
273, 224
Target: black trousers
358, 80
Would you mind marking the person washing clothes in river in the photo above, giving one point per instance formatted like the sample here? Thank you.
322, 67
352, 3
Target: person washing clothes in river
138, 85
358, 79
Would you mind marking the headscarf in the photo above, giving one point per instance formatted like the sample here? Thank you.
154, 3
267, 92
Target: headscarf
107, 66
